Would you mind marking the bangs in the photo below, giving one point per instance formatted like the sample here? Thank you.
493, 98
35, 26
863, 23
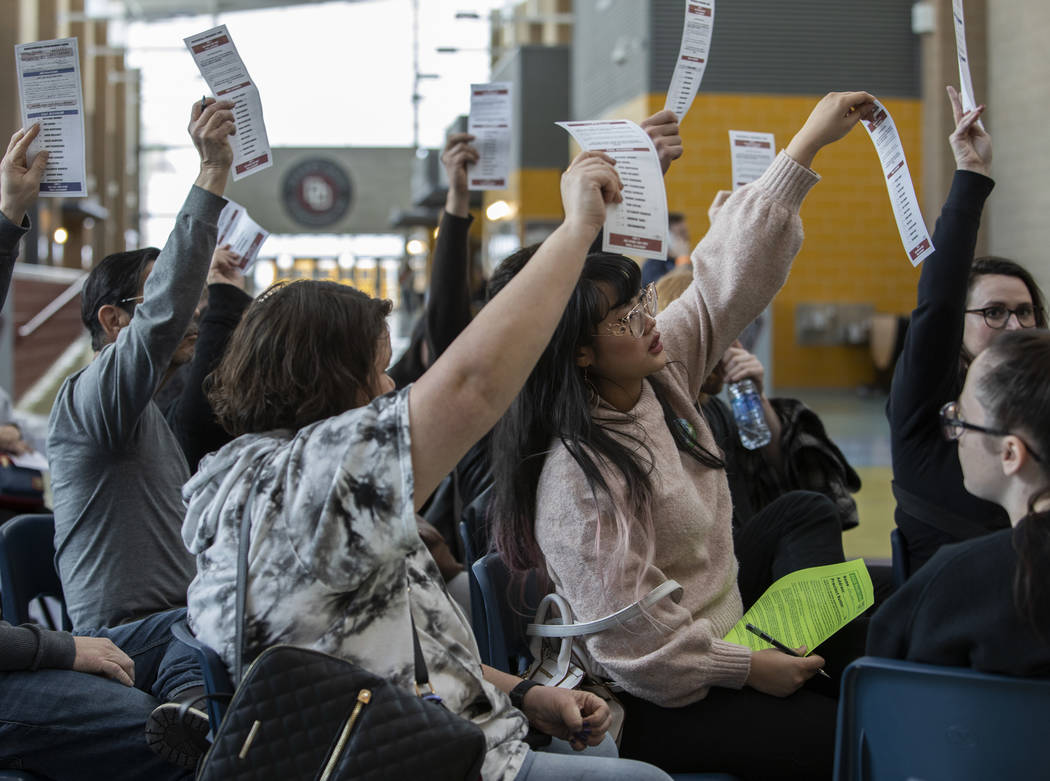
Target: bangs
618, 273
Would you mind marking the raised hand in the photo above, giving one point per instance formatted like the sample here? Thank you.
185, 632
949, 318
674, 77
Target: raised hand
457, 155
99, 656
832, 118
971, 144
19, 181
225, 268
662, 128
587, 186
211, 128
741, 365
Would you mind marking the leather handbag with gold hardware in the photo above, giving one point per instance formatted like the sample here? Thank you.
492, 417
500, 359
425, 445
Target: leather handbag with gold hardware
302, 714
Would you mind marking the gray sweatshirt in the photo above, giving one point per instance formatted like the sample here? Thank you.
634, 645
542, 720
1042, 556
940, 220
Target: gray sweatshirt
116, 467
30, 647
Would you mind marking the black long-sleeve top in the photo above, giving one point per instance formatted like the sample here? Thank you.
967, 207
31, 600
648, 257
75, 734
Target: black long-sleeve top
959, 610
926, 470
190, 416
10, 235
447, 309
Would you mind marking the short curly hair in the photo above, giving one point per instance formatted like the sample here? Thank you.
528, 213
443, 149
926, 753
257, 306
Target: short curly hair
303, 351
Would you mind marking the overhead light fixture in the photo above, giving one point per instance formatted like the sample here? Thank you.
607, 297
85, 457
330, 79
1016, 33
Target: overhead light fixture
416, 247
499, 210
61, 235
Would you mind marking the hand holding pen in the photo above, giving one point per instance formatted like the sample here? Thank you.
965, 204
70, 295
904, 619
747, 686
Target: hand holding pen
780, 646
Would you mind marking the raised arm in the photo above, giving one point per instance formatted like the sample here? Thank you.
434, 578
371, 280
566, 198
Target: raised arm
472, 384
118, 385
191, 417
744, 259
447, 310
19, 187
927, 370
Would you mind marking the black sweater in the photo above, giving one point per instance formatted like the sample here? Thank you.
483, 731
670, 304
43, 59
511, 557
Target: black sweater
959, 611
925, 465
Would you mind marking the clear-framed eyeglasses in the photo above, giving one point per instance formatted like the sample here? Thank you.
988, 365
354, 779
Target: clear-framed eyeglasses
634, 322
997, 315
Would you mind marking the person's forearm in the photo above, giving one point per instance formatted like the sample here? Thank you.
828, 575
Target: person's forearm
448, 305
501, 680
457, 202
213, 179
10, 235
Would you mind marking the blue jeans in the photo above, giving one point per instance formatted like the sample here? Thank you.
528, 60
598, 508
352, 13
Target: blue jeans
164, 667
70, 725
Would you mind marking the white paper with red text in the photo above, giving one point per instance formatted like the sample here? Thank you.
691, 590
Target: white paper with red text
638, 225
752, 154
490, 122
217, 59
912, 228
692, 56
243, 234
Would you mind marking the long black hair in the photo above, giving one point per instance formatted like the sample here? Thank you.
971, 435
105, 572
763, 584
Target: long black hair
1015, 395
556, 403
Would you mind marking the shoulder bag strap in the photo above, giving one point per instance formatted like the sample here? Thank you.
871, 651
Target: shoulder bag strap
243, 544
600, 625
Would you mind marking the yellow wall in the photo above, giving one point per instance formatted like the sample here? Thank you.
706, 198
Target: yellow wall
852, 251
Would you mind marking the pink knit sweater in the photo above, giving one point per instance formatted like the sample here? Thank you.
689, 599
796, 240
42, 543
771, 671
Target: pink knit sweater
672, 656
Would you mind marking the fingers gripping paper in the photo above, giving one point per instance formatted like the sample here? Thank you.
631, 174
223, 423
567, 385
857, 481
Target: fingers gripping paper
638, 226
910, 225
808, 606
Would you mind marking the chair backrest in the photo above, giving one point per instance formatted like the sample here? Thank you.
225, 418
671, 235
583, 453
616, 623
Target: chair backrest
903, 720
27, 566
507, 608
477, 603
901, 565
216, 678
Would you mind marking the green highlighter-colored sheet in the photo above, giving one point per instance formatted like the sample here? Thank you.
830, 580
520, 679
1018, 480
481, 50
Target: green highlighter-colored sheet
808, 606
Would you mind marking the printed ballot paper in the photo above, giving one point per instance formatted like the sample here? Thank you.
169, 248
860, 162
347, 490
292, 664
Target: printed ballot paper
692, 56
638, 225
887, 142
221, 66
965, 81
808, 606
752, 154
49, 86
490, 123
240, 232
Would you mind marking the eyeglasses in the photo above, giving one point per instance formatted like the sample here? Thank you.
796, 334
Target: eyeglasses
997, 316
634, 322
133, 299
953, 426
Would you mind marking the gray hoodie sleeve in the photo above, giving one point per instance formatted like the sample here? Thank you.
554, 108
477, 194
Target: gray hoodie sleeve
29, 647
116, 387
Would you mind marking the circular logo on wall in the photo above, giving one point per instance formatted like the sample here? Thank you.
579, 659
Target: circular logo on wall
317, 192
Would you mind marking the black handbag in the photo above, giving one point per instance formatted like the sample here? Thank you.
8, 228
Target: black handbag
302, 714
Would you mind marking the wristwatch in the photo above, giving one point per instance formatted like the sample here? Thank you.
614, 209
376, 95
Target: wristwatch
517, 694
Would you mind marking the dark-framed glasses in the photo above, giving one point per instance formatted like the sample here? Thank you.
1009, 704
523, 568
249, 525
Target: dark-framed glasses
634, 321
132, 300
953, 425
998, 315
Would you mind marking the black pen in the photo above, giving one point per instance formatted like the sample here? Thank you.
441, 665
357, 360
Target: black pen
204, 102
779, 645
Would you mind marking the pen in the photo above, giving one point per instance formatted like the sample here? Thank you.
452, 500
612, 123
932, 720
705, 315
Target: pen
204, 102
779, 645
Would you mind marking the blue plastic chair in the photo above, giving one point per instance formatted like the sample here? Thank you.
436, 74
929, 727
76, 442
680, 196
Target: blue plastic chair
27, 567
899, 720
506, 610
217, 683
901, 565
477, 603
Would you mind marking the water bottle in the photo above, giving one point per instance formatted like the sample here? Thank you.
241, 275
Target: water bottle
749, 415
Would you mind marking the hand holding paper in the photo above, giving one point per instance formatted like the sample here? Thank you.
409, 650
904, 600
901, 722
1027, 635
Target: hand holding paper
587, 186
662, 128
210, 130
971, 144
458, 155
19, 181
833, 117
225, 268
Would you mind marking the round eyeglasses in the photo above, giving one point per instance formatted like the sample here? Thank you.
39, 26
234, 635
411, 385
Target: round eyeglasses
953, 426
634, 322
997, 315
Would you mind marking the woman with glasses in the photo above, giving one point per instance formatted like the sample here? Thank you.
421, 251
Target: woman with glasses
985, 603
962, 305
607, 477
